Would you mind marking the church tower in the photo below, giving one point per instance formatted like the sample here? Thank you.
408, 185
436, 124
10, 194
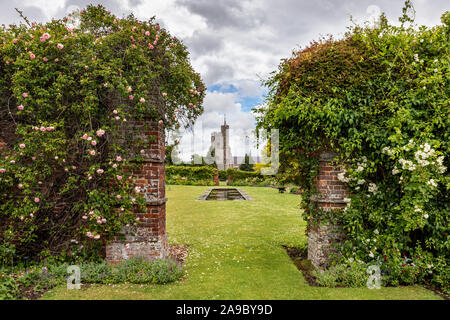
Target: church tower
220, 144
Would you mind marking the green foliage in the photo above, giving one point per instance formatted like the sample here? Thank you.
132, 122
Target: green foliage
139, 271
41, 278
246, 166
380, 98
183, 175
352, 274
247, 178
67, 88
9, 290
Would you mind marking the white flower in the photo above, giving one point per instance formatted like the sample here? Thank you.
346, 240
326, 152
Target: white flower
388, 151
376, 231
341, 177
361, 181
417, 209
373, 188
347, 200
395, 170
416, 57
432, 183
426, 216
371, 254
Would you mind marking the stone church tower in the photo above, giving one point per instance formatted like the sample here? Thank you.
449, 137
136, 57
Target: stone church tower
222, 151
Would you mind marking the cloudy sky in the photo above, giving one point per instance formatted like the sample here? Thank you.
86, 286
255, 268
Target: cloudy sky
236, 43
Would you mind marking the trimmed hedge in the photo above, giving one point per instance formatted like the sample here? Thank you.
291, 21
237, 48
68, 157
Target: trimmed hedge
182, 175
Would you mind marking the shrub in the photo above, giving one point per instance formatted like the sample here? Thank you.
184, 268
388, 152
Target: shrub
351, 274
9, 290
184, 175
43, 277
380, 98
67, 88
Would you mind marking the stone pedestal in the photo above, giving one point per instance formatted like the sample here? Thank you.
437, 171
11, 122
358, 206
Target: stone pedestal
149, 238
324, 235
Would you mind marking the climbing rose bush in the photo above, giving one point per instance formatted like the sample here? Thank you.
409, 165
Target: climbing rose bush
67, 90
380, 98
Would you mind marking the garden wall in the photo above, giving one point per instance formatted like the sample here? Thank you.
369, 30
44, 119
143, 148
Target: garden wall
148, 239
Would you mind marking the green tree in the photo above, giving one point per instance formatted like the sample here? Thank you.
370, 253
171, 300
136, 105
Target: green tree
246, 165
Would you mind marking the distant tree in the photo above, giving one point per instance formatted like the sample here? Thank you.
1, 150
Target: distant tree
246, 166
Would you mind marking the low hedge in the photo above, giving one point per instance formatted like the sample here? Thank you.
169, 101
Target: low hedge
182, 175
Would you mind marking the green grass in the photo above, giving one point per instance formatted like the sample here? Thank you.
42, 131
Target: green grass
236, 253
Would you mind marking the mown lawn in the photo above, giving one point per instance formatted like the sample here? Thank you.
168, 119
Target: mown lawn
236, 253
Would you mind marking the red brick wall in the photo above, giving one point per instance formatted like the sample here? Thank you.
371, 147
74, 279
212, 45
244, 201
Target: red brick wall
216, 177
149, 238
322, 237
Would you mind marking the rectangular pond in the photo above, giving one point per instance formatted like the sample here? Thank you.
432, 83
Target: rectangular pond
224, 194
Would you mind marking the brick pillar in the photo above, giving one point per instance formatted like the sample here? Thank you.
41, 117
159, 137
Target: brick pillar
149, 238
229, 180
323, 235
216, 177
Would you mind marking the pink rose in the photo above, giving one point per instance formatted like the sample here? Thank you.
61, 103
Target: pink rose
91, 213
115, 112
60, 46
94, 143
15, 41
45, 59
100, 171
114, 166
130, 97
142, 100
119, 159
129, 89
164, 94
119, 177
84, 217
32, 56
103, 220
100, 133
21, 146
142, 151
92, 152
150, 46
84, 137
21, 107
24, 95
20, 186
147, 33
36, 200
